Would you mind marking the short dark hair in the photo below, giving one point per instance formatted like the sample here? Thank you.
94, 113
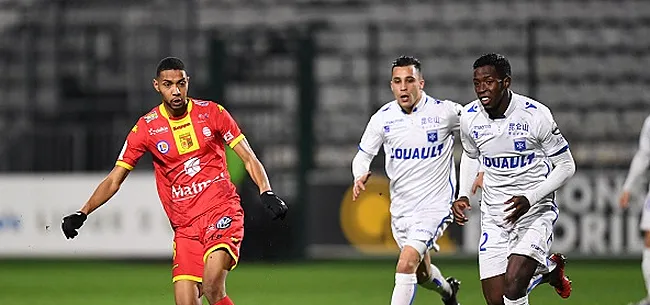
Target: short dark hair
169, 63
405, 61
498, 61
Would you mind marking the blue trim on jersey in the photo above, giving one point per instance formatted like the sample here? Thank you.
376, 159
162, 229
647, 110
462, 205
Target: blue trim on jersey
548, 167
563, 149
451, 184
557, 215
361, 149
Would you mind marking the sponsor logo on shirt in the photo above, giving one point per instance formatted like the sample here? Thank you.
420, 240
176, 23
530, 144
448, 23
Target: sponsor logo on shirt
192, 166
155, 131
162, 146
509, 162
418, 153
185, 192
150, 116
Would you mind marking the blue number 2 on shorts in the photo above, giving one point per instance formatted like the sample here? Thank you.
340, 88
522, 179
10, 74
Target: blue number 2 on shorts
485, 237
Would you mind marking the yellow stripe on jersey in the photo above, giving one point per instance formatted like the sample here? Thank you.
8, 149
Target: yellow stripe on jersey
236, 140
124, 164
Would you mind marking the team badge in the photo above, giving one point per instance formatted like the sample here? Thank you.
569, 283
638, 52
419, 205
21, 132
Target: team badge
520, 145
162, 146
186, 141
432, 136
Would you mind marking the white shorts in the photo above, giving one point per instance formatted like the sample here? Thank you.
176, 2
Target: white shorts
530, 236
426, 227
645, 215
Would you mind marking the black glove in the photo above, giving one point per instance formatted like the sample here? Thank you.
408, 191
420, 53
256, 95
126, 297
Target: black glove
274, 205
71, 223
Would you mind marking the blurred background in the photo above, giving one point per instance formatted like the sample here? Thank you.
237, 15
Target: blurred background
302, 78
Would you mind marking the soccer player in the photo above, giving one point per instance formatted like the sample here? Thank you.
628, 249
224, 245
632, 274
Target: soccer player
637, 170
525, 159
186, 137
416, 133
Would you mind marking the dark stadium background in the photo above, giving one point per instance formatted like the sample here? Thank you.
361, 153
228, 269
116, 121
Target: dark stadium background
301, 77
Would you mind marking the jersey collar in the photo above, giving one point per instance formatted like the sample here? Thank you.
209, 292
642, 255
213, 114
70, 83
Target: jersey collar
163, 110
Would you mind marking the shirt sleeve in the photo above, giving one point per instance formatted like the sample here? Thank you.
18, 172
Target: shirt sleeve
373, 136
469, 146
549, 136
641, 159
456, 110
134, 146
227, 127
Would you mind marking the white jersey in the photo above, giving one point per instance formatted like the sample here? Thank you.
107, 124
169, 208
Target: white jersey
641, 158
418, 148
513, 150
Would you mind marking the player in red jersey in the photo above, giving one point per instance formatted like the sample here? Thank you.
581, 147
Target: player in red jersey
186, 138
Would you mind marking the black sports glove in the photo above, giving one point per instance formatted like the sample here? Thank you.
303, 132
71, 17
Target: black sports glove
274, 205
71, 223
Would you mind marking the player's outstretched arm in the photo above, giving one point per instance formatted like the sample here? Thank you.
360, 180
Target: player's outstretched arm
104, 191
273, 204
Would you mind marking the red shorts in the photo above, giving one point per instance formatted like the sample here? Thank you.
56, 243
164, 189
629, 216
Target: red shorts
222, 228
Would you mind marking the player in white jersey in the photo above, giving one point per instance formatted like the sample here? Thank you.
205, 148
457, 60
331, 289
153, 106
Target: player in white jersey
638, 168
525, 159
415, 131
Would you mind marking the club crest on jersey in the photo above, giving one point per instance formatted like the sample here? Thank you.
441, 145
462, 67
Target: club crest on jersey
186, 140
432, 136
520, 144
162, 146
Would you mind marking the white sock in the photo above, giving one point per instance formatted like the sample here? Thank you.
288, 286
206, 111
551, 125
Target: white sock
405, 287
437, 282
520, 301
645, 267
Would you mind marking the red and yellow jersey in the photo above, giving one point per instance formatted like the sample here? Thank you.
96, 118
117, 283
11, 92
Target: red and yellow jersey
189, 157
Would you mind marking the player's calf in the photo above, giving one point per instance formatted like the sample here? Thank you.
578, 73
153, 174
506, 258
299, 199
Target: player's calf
215, 272
517, 278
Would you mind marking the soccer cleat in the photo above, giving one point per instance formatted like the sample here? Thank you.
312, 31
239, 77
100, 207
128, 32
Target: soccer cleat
557, 278
455, 286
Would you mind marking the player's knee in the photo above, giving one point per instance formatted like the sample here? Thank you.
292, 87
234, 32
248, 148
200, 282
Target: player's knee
410, 257
515, 286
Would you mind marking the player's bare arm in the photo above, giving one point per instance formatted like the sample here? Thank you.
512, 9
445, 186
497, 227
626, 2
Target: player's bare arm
253, 165
274, 205
104, 192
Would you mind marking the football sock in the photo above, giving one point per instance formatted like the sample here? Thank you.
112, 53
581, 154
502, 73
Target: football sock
225, 301
405, 287
645, 267
437, 282
520, 301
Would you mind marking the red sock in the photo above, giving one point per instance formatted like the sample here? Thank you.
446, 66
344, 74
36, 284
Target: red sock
225, 301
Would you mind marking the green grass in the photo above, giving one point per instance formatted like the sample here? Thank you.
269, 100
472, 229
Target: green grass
320, 283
